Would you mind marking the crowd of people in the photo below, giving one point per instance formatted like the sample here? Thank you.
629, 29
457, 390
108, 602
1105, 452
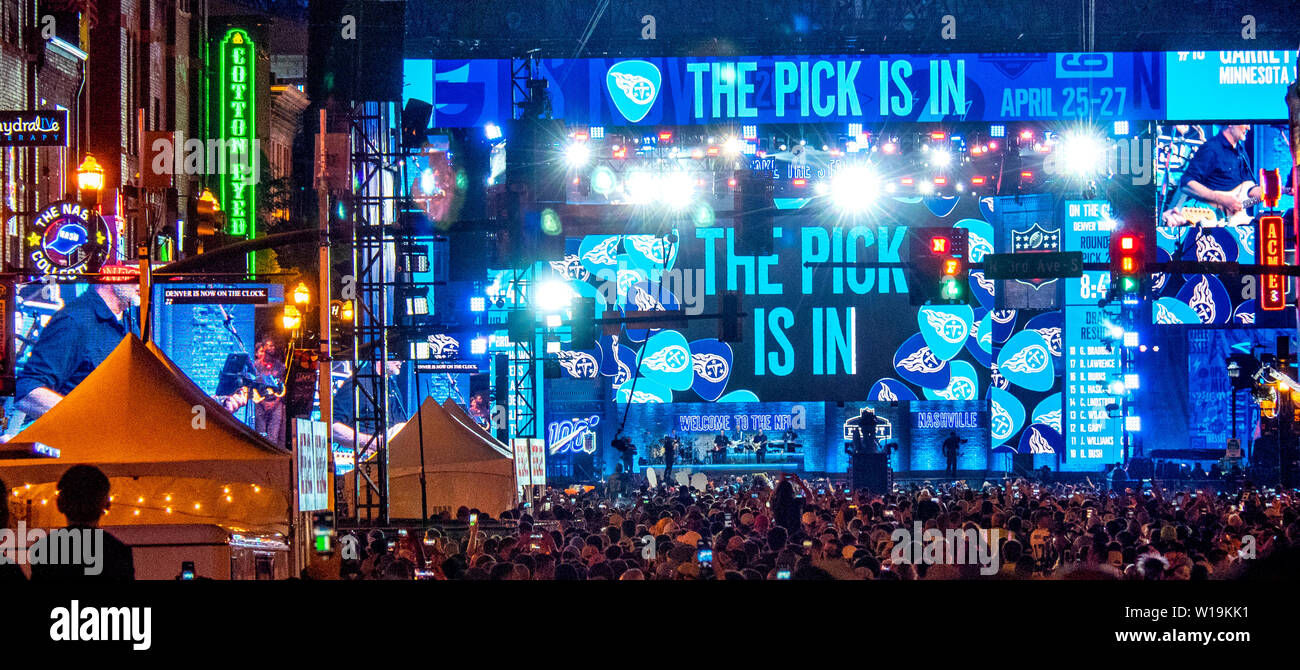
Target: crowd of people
752, 528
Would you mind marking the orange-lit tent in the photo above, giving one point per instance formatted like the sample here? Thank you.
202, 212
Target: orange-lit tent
172, 454
463, 466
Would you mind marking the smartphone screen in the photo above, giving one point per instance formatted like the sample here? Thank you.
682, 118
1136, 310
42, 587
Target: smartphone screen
705, 557
785, 574
187, 570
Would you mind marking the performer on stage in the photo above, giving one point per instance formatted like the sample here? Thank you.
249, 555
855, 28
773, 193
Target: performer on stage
720, 444
345, 413
1219, 167
951, 447
760, 446
670, 455
627, 451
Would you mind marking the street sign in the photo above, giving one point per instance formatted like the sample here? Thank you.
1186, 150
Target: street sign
1038, 265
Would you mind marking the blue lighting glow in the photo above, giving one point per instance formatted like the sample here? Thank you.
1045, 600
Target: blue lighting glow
1121, 127
749, 132
478, 346
1131, 381
1133, 424
855, 129
477, 304
1131, 339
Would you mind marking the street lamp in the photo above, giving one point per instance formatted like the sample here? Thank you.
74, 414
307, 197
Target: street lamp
1234, 373
90, 181
291, 319
301, 294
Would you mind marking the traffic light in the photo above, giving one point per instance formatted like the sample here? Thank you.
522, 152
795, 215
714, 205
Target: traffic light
1127, 262
938, 261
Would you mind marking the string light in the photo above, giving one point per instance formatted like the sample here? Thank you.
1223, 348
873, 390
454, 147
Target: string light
137, 512
229, 499
196, 505
169, 510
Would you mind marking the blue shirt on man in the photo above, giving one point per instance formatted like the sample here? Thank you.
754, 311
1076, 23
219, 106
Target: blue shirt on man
75, 341
1218, 165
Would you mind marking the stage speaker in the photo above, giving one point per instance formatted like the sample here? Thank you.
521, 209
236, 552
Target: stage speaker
355, 49
870, 471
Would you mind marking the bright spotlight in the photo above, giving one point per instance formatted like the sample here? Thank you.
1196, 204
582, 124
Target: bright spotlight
492, 131
925, 187
732, 146
577, 154
1082, 154
553, 296
428, 181
677, 190
941, 158
640, 187
854, 189
602, 180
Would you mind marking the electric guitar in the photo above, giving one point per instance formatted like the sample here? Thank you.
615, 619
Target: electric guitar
1189, 210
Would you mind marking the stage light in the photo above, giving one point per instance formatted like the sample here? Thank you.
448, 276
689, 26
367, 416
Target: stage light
1133, 424
477, 303
1082, 154
940, 181
993, 146
889, 148
428, 181
677, 190
732, 146
977, 181
1026, 134
855, 129
550, 222
1131, 381
997, 130
602, 180
854, 189
596, 132
925, 188
492, 131
1131, 338
938, 135
1117, 387
665, 136
941, 158
577, 154
640, 187
553, 296
554, 321
291, 318
702, 215
749, 132
552, 347
1121, 128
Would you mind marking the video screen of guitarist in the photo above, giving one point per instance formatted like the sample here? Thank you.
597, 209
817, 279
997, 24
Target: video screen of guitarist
1220, 173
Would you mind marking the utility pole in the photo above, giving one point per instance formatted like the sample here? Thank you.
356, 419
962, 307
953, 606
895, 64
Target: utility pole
323, 282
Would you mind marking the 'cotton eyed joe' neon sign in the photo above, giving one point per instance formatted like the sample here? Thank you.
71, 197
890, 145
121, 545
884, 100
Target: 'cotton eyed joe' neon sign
238, 131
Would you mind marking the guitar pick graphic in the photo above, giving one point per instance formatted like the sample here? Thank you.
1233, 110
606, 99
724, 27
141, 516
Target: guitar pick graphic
986, 208
599, 252
1004, 323
633, 87
666, 359
982, 288
907, 199
961, 384
996, 379
1215, 245
945, 328
980, 342
1245, 243
711, 360
579, 364
647, 297
941, 206
1026, 361
1168, 237
1160, 280
1006, 415
739, 396
1172, 311
979, 238
889, 389
1040, 438
650, 252
1050, 325
647, 391
1245, 313
917, 364
1206, 295
1049, 412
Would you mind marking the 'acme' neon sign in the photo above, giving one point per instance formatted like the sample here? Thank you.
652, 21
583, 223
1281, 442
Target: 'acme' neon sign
238, 130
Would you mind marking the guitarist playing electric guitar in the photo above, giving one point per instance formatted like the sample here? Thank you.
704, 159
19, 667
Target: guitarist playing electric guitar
1220, 174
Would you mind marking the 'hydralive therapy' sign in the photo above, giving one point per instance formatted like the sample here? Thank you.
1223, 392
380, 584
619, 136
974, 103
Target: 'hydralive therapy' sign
237, 128
34, 128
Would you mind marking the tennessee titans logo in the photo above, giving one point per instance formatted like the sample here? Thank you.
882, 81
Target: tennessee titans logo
653, 248
886, 395
643, 397
986, 284
1208, 249
1039, 444
921, 361
1247, 236
633, 86
710, 367
669, 359
977, 246
1164, 316
1004, 315
1203, 300
1000, 423
950, 327
571, 268
1028, 360
443, 346
1053, 338
579, 364
644, 300
603, 253
1052, 418
961, 388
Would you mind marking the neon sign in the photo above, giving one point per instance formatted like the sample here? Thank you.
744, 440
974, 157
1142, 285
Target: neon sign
1272, 295
571, 435
238, 131
67, 238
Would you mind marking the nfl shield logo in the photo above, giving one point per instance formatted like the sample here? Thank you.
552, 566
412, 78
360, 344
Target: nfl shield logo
1035, 239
